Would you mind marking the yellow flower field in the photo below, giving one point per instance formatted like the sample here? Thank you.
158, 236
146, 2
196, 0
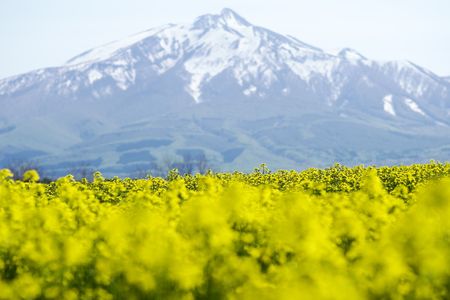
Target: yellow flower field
338, 233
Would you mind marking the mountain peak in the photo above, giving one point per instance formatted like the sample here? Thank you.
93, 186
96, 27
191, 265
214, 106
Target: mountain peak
171, 90
228, 15
350, 54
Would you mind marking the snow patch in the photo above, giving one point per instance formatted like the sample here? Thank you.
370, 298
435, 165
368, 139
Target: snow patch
107, 51
94, 75
388, 106
194, 87
414, 87
351, 56
413, 80
213, 57
367, 81
250, 90
414, 107
439, 123
120, 62
232, 19
124, 78
312, 67
165, 65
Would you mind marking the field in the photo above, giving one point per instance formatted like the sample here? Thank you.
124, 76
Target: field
337, 233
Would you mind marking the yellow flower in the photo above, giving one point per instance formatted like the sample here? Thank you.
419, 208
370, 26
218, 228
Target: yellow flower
31, 176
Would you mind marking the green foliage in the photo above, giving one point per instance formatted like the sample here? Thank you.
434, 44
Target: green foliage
338, 233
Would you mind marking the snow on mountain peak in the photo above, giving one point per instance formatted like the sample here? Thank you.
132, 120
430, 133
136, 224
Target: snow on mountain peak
227, 18
255, 58
350, 54
264, 88
205, 48
230, 16
106, 51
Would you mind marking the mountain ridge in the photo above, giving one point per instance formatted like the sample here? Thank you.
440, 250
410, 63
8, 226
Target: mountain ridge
218, 84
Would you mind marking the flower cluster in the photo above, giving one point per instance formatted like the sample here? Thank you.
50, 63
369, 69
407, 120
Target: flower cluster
338, 233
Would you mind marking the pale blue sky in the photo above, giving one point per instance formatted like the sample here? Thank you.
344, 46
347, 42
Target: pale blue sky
43, 33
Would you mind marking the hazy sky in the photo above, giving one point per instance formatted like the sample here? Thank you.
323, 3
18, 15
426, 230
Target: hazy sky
43, 33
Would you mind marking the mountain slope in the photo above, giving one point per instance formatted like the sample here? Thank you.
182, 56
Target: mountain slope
447, 78
239, 93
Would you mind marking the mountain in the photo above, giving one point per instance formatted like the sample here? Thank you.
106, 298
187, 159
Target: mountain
222, 88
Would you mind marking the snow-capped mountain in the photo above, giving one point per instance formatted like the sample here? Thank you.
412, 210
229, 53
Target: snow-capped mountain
238, 93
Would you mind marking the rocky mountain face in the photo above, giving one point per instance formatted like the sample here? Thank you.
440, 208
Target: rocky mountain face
222, 89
